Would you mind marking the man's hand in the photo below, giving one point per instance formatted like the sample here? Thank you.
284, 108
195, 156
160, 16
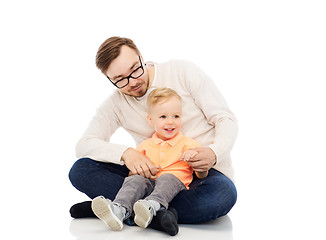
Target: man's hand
139, 164
204, 160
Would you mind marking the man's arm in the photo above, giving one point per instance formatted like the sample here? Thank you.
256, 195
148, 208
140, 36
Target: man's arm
95, 143
208, 98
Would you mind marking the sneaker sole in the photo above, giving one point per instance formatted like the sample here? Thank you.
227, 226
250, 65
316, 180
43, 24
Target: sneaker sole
142, 215
104, 212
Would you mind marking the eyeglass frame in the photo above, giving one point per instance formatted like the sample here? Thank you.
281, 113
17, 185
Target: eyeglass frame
129, 76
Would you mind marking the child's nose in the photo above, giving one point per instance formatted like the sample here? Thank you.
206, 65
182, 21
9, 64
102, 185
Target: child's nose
169, 120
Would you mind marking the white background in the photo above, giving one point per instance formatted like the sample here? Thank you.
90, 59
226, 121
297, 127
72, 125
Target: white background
268, 59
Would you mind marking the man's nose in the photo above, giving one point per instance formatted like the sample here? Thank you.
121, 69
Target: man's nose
132, 82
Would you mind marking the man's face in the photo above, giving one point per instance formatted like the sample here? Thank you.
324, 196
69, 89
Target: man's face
125, 64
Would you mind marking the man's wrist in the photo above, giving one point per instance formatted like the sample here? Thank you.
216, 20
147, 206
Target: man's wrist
215, 160
215, 156
123, 157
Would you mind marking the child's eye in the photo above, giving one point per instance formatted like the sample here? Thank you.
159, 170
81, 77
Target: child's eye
163, 116
176, 116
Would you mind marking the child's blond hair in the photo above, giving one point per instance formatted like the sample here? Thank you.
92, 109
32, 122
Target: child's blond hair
160, 95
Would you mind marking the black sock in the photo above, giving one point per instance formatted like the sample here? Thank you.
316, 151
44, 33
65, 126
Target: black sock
82, 210
166, 221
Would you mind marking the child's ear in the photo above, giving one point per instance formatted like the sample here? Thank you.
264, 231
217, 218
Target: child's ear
149, 119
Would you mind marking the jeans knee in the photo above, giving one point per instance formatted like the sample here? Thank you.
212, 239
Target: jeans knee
228, 190
223, 195
76, 172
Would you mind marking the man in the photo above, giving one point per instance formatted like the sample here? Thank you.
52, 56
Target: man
103, 166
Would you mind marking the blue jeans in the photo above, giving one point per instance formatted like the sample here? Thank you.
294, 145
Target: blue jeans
206, 199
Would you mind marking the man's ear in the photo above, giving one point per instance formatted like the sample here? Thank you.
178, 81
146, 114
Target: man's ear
149, 119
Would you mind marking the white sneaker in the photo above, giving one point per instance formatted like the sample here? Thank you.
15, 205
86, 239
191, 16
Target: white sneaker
103, 209
144, 212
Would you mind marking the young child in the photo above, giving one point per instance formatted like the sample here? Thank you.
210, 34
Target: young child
167, 148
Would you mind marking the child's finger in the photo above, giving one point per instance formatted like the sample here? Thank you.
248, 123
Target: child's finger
183, 156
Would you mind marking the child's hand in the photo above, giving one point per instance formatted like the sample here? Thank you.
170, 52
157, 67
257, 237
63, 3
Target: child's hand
186, 155
158, 169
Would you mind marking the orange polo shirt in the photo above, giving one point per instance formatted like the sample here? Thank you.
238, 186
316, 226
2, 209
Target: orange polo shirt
167, 154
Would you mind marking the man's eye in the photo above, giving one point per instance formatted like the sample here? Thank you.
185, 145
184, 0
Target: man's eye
136, 68
117, 80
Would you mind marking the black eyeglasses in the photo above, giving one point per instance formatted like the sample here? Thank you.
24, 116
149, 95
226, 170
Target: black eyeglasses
134, 74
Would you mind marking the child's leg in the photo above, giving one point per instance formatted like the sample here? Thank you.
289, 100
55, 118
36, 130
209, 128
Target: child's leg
109, 213
134, 187
166, 220
113, 213
166, 187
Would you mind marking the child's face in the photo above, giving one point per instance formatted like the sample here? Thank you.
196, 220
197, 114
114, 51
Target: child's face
165, 118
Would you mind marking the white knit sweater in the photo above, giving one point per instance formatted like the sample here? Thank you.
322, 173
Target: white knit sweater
205, 117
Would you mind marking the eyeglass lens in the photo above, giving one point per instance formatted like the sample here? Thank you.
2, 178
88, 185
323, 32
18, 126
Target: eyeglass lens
135, 74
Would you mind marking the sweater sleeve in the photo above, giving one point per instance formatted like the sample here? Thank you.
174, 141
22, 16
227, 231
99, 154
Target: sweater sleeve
95, 143
208, 98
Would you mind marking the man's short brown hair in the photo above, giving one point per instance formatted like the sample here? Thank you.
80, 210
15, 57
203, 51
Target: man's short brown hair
110, 50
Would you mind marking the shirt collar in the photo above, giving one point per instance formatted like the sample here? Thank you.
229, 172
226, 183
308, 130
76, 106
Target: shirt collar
173, 141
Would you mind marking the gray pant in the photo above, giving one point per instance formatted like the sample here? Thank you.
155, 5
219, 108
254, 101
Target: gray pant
136, 187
